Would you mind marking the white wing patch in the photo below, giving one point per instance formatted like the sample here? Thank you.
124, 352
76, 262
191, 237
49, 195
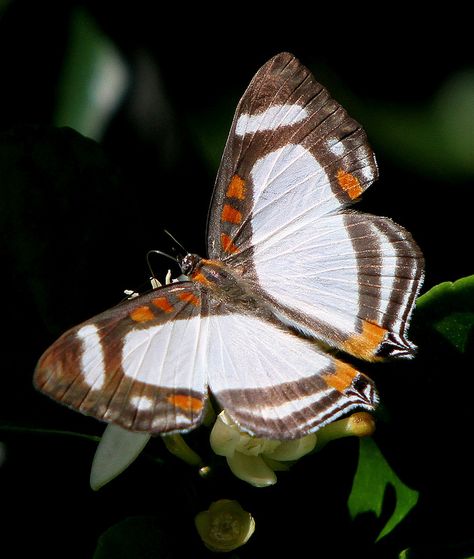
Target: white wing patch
92, 357
290, 188
169, 355
271, 119
142, 403
320, 274
336, 146
292, 224
388, 270
247, 352
368, 173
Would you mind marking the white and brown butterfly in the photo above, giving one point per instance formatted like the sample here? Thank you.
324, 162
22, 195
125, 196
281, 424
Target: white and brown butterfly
291, 272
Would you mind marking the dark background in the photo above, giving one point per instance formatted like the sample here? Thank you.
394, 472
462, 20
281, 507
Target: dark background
77, 218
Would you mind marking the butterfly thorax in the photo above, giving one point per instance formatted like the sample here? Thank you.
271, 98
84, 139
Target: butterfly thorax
227, 287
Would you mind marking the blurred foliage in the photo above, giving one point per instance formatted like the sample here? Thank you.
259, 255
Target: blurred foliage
449, 308
436, 139
77, 217
140, 537
93, 80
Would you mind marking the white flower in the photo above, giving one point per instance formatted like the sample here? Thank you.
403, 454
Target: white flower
225, 526
256, 460
252, 459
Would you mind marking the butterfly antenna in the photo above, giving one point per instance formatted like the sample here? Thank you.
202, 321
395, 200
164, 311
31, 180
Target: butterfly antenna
175, 260
176, 241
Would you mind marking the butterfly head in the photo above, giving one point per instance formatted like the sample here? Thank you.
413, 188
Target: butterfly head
188, 263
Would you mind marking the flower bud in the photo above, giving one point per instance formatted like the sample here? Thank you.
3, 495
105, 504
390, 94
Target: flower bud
360, 424
225, 526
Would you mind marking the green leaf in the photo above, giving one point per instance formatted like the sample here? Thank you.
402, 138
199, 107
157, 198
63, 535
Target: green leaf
449, 308
374, 475
140, 537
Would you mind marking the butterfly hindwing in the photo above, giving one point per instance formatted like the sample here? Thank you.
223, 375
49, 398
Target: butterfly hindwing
293, 163
349, 279
138, 364
281, 386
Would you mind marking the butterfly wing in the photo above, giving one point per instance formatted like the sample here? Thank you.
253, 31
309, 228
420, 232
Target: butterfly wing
293, 163
276, 384
140, 365
145, 365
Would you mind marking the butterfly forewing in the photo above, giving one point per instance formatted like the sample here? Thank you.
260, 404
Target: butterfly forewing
139, 365
293, 163
290, 144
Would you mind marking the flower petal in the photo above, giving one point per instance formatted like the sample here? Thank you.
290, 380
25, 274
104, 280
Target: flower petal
251, 469
180, 448
224, 436
276, 465
117, 449
293, 450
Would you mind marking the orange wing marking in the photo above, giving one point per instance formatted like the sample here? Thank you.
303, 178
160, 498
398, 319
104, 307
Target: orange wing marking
349, 183
142, 314
365, 345
236, 188
227, 244
200, 278
163, 304
341, 378
230, 214
189, 297
185, 402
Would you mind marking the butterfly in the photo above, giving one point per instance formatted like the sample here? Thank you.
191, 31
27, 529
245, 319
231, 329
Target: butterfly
294, 280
